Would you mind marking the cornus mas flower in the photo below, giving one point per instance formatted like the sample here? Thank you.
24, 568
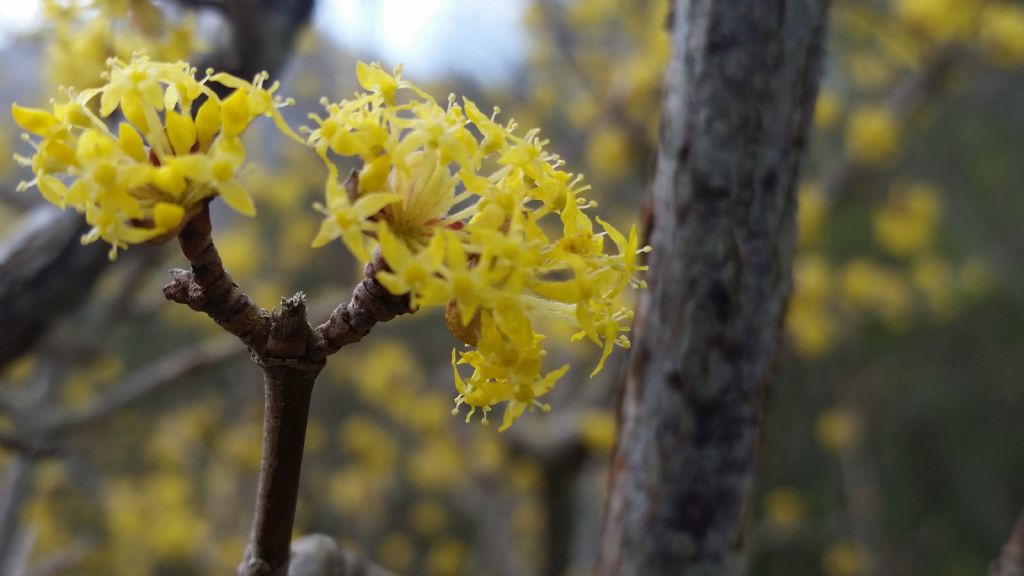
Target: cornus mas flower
139, 182
473, 217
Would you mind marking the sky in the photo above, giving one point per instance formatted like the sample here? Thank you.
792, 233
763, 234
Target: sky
480, 38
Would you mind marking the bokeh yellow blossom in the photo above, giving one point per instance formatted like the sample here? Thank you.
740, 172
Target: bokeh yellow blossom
907, 222
872, 135
837, 429
784, 509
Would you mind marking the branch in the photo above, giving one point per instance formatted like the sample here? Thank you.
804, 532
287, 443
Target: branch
27, 448
291, 355
16, 492
208, 287
156, 376
288, 377
370, 303
45, 274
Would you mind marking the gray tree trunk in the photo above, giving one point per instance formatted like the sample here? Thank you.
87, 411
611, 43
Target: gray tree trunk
739, 96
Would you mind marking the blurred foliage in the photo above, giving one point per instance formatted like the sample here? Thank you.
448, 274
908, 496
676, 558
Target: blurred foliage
891, 438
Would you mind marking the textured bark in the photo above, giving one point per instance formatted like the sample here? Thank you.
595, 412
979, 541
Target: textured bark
739, 96
45, 273
287, 391
208, 287
370, 303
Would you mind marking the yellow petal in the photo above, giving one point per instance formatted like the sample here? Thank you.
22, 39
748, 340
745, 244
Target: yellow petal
393, 283
372, 203
132, 107
53, 190
373, 78
395, 252
181, 131
167, 216
34, 120
375, 174
355, 242
237, 197
235, 113
460, 384
208, 121
170, 179
328, 232
131, 142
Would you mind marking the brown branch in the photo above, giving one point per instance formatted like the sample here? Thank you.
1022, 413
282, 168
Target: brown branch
291, 355
370, 303
208, 287
288, 376
1011, 558
27, 448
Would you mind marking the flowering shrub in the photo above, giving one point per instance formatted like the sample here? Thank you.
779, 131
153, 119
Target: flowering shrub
466, 214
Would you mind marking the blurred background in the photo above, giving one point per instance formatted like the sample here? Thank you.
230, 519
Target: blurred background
130, 428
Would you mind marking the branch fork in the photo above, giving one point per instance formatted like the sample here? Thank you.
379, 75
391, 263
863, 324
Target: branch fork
291, 354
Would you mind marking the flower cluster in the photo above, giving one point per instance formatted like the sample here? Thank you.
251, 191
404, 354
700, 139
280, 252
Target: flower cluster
470, 216
85, 33
140, 183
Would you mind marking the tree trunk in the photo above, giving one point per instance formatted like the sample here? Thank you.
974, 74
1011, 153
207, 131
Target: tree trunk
739, 96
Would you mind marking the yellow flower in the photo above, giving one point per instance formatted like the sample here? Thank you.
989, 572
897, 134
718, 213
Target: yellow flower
843, 559
597, 430
141, 183
471, 216
934, 278
876, 288
83, 34
827, 109
908, 221
939, 20
608, 152
810, 216
1001, 33
810, 318
837, 430
784, 509
872, 136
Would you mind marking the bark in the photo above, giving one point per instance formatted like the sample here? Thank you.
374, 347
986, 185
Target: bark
17, 487
45, 274
287, 391
739, 94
